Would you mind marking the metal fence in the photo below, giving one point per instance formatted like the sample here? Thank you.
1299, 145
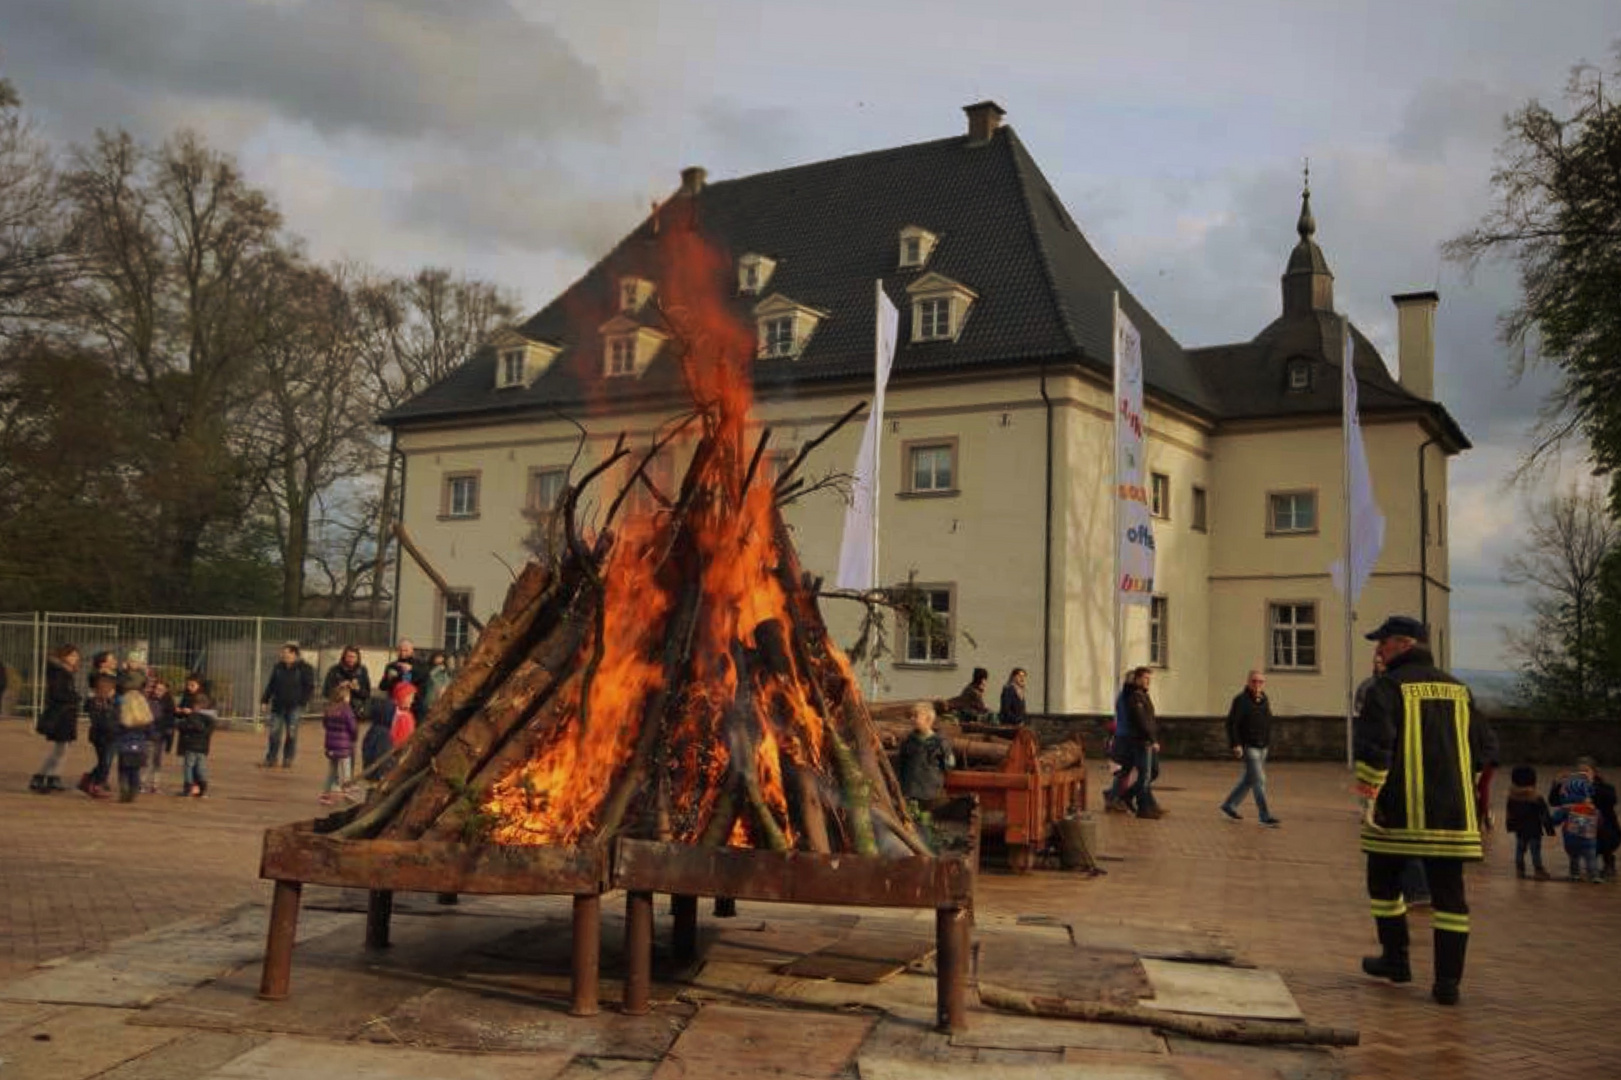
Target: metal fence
235, 654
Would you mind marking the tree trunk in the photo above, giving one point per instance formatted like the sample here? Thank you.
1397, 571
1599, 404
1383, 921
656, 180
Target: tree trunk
385, 518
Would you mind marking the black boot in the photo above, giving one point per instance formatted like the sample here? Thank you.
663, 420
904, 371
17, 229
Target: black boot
1392, 963
54, 783
37, 782
1450, 947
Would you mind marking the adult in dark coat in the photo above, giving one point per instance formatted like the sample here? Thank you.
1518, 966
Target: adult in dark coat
289, 690
59, 718
1145, 745
1014, 710
351, 672
1609, 826
407, 667
1418, 746
1249, 733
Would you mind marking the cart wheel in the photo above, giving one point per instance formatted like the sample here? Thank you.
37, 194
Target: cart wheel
1021, 858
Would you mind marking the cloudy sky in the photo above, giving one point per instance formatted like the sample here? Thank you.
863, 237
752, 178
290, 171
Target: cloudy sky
515, 139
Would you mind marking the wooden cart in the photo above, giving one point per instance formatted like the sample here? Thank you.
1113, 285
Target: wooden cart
1022, 798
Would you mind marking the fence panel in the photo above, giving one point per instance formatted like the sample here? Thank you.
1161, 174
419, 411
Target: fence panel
234, 654
18, 634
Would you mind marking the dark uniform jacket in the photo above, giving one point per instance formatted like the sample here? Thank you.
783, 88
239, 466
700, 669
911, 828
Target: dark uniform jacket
1249, 722
1419, 744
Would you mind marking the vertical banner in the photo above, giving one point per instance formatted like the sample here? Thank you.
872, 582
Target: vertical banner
1134, 542
858, 551
1365, 532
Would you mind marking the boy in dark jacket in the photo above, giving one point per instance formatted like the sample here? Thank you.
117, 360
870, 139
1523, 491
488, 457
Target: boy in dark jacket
1528, 819
195, 730
378, 741
923, 759
102, 709
162, 731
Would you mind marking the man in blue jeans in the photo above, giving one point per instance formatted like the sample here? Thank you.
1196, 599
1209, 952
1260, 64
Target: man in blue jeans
1249, 733
1144, 743
291, 685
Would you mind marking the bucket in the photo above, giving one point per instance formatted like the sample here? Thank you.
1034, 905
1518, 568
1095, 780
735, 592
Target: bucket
1078, 841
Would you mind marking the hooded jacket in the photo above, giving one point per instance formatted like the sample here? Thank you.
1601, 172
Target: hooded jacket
59, 719
1418, 745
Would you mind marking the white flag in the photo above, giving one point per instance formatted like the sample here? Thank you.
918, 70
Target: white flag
1366, 535
1134, 559
857, 554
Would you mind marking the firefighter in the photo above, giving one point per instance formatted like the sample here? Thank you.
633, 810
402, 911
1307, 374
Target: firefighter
1418, 747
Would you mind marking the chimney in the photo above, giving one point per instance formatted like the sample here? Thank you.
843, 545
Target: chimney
692, 179
983, 120
1415, 342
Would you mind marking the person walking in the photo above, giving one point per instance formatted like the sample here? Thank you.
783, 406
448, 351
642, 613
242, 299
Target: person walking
291, 686
341, 728
350, 672
1145, 735
1249, 733
1122, 752
1417, 747
59, 717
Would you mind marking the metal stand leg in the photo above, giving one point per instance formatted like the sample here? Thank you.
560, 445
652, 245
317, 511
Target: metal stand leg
587, 953
951, 965
379, 911
278, 968
725, 907
448, 898
685, 936
638, 952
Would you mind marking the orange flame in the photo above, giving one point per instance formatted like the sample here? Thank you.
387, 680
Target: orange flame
560, 796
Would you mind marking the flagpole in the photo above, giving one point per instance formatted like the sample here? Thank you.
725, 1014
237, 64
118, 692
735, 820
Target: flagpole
877, 457
1113, 684
1347, 375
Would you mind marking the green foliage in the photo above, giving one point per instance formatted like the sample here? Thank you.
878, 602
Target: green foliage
1559, 218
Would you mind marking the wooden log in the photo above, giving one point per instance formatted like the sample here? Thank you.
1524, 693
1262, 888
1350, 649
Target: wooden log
492, 657
1212, 1028
378, 811
812, 814
507, 708
1064, 755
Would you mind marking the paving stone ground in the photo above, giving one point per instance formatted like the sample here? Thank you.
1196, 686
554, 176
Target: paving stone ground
1540, 996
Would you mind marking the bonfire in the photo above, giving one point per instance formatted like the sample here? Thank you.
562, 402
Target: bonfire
668, 676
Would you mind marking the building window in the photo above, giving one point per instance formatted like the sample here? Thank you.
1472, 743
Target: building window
457, 633
753, 271
751, 278
622, 356
1159, 495
546, 487
779, 336
660, 471
1159, 632
1294, 636
1291, 512
916, 245
512, 367
460, 495
775, 464
1201, 510
931, 468
1299, 375
934, 318
928, 630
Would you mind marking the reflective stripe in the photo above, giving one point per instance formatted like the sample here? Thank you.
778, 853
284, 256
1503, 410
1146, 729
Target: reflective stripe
1449, 920
1466, 770
1367, 774
1413, 751
1377, 845
1388, 909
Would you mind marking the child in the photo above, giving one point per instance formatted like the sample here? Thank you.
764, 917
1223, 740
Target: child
404, 719
1528, 820
923, 759
134, 732
162, 731
378, 741
195, 730
1578, 817
341, 729
102, 709
1609, 826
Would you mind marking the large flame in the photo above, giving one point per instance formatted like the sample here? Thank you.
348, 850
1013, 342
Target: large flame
724, 705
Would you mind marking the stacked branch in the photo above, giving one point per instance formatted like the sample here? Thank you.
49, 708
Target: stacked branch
671, 680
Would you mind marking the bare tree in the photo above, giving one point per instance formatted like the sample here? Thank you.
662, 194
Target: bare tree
1562, 562
415, 332
34, 254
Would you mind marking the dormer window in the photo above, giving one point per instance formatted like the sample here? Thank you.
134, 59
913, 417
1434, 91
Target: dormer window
917, 244
785, 327
627, 348
754, 273
633, 293
1299, 375
940, 307
518, 360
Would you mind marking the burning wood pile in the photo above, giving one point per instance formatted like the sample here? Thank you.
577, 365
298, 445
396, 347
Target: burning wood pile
670, 676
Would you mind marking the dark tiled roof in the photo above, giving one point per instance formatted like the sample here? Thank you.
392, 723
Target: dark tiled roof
833, 227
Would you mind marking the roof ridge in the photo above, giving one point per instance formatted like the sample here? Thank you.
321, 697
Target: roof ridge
842, 160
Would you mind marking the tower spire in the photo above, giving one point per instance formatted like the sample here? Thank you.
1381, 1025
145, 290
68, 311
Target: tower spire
1307, 225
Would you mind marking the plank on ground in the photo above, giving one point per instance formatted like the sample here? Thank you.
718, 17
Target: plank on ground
726, 1042
862, 957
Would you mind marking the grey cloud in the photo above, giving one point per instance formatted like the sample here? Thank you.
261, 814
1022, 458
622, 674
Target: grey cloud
751, 137
1444, 114
435, 69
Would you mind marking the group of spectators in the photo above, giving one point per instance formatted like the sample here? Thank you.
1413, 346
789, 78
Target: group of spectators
135, 720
